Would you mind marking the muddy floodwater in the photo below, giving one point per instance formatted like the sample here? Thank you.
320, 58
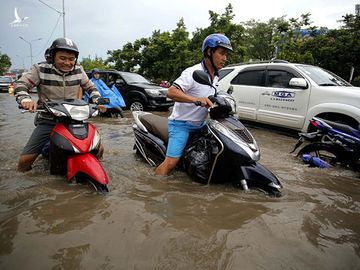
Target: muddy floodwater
147, 222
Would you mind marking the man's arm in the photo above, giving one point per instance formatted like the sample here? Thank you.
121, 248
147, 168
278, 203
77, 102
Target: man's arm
27, 81
178, 95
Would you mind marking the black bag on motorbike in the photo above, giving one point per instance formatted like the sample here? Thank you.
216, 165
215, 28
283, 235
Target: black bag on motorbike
197, 158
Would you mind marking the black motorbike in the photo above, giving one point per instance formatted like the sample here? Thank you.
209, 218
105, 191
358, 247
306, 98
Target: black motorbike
224, 151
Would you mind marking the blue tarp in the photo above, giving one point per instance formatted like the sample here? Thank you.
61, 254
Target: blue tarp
116, 99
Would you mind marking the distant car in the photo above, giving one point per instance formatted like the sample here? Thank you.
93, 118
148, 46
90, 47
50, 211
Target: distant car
5, 83
288, 95
138, 92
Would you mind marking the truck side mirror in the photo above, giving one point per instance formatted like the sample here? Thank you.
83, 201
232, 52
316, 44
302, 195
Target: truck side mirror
298, 83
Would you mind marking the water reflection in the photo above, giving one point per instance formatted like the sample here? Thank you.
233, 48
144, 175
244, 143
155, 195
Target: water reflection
148, 222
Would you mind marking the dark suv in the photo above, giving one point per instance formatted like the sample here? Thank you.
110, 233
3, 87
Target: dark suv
138, 92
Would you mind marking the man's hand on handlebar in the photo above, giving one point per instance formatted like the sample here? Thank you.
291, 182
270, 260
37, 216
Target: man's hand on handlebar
204, 102
101, 108
28, 104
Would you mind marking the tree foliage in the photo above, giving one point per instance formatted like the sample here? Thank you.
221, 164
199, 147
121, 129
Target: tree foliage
88, 64
5, 63
164, 55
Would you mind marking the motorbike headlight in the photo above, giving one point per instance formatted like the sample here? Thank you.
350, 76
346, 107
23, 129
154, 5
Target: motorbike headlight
79, 113
153, 92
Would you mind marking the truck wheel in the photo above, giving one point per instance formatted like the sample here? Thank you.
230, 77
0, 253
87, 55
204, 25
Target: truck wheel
136, 105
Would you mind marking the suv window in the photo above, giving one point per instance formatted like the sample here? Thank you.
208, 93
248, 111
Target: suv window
134, 78
279, 78
251, 77
224, 72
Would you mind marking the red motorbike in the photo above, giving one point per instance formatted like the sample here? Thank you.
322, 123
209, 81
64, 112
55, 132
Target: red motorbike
74, 143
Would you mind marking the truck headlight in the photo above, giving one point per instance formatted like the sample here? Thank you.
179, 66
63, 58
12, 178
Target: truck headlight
153, 92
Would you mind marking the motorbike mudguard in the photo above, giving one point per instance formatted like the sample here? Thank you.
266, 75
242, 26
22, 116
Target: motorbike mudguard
88, 164
259, 176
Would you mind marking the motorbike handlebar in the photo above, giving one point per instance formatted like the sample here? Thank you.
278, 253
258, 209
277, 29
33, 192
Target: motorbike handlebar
103, 101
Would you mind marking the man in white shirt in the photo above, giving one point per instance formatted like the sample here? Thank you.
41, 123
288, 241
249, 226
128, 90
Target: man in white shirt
187, 117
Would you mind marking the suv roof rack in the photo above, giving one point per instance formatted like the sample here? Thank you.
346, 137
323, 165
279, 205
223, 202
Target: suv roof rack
259, 62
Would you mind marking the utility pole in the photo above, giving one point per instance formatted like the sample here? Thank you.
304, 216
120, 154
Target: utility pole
61, 13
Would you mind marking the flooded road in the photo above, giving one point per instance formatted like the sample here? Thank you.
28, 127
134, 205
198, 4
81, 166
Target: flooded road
147, 222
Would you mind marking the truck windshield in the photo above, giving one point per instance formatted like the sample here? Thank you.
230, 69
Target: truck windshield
134, 78
323, 77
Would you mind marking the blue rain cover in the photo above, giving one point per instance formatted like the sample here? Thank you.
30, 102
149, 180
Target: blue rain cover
116, 99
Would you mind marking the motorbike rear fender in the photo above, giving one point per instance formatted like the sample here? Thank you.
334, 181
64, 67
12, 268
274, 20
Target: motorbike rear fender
87, 164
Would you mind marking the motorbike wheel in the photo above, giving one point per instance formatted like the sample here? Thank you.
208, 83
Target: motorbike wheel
98, 187
57, 160
326, 152
86, 180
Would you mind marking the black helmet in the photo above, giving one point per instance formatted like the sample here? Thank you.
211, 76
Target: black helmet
47, 53
63, 44
47, 56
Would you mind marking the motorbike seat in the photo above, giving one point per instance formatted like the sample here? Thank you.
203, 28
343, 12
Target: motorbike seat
156, 125
342, 127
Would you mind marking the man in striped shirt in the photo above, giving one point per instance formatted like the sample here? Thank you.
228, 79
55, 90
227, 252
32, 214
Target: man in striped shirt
58, 80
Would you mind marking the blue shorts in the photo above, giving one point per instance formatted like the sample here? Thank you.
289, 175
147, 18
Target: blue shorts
179, 132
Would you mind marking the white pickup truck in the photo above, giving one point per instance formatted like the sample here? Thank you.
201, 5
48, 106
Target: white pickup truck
289, 95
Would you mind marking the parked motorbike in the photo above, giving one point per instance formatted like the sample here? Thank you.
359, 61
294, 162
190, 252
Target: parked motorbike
224, 151
332, 142
74, 143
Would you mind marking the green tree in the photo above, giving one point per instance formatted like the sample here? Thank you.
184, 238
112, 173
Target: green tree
165, 54
292, 40
259, 40
337, 50
5, 63
156, 56
89, 64
221, 24
129, 57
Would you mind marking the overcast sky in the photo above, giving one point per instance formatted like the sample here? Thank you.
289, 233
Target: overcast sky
97, 26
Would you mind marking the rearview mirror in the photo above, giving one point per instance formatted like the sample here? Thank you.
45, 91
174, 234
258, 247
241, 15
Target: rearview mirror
201, 77
298, 83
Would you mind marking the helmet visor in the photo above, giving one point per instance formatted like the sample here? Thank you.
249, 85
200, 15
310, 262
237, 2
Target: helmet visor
224, 45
